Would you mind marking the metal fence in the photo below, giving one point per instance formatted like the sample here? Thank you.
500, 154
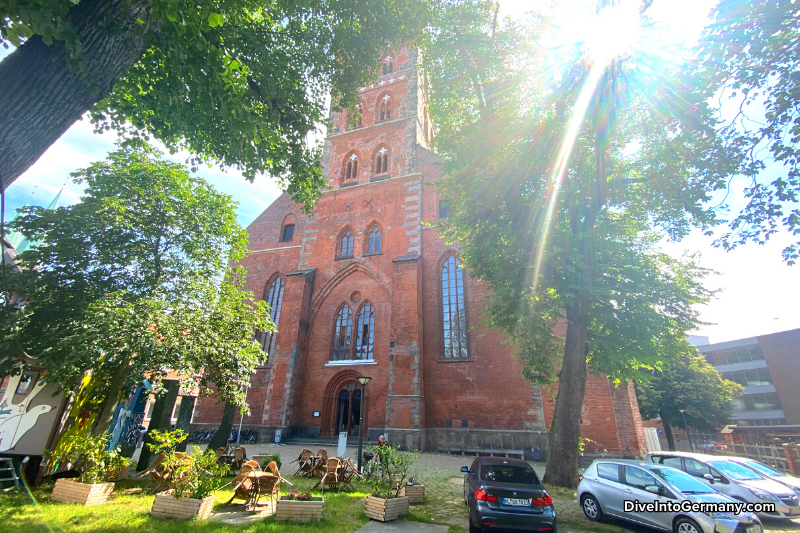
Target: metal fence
773, 456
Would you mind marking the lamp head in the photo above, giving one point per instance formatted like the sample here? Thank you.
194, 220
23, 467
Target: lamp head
363, 380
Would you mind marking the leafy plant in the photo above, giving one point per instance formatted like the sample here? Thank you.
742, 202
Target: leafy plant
270, 458
194, 475
390, 470
304, 496
90, 457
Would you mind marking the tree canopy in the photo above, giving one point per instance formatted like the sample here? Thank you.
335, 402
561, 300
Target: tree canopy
687, 382
242, 83
750, 55
133, 281
565, 168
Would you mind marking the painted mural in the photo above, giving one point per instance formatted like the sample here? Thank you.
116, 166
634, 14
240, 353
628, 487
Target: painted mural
17, 419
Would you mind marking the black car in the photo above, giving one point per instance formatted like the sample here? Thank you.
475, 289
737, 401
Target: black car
505, 493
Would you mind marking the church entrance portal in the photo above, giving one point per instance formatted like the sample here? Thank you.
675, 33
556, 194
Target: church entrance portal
348, 409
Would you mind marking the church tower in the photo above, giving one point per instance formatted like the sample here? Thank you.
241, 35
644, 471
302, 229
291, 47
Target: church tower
364, 287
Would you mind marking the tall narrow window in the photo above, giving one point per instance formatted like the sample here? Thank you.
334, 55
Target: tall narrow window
274, 300
341, 334
365, 332
384, 109
288, 233
374, 240
444, 209
381, 161
351, 167
454, 314
346, 247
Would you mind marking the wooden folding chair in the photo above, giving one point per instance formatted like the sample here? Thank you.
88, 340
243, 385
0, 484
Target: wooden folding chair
305, 463
320, 463
243, 485
348, 473
239, 456
267, 485
331, 477
254, 464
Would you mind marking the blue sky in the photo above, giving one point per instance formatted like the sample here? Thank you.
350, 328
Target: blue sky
759, 294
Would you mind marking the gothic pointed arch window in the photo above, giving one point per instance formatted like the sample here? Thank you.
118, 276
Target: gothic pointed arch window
274, 298
381, 161
454, 311
350, 166
384, 108
388, 65
374, 239
346, 244
365, 333
342, 331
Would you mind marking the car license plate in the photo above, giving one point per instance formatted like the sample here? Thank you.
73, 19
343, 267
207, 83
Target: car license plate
520, 502
754, 529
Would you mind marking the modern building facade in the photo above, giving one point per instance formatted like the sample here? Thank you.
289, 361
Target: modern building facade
768, 367
364, 286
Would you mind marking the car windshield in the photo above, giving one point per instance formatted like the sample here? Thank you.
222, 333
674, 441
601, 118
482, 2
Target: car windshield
734, 470
764, 469
509, 474
682, 481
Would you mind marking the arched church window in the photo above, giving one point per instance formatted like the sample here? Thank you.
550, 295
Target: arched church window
275, 300
342, 330
454, 313
374, 240
346, 246
365, 333
381, 161
351, 167
387, 67
384, 108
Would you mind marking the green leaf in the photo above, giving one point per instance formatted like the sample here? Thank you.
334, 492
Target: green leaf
215, 19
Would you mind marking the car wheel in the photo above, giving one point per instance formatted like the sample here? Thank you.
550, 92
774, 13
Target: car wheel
472, 529
466, 501
591, 508
686, 525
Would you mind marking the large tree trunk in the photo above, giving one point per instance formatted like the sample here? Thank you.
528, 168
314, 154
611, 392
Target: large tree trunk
223, 433
112, 398
565, 431
41, 98
669, 435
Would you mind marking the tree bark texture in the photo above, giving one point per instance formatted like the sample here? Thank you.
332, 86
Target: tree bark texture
106, 417
565, 431
670, 436
40, 98
162, 416
220, 438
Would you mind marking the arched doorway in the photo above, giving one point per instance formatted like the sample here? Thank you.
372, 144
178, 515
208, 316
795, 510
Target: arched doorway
342, 407
348, 409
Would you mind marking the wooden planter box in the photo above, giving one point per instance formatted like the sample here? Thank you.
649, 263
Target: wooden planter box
299, 511
415, 493
69, 491
165, 505
386, 510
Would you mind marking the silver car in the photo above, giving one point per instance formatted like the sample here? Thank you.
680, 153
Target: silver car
767, 471
608, 484
733, 480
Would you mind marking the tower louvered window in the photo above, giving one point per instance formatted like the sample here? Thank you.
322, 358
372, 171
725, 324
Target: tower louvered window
351, 167
382, 161
275, 301
365, 333
454, 313
384, 109
342, 330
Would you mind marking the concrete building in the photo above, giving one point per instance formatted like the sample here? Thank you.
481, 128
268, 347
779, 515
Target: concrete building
364, 286
768, 367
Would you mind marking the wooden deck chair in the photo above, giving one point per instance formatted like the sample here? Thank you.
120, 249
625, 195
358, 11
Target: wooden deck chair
239, 456
305, 463
254, 464
331, 477
243, 485
266, 485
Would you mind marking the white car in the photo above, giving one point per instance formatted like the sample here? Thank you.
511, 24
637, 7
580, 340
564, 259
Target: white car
767, 471
609, 485
733, 480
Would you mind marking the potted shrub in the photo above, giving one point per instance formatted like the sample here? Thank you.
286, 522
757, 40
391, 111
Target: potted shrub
299, 506
97, 466
192, 478
414, 489
388, 475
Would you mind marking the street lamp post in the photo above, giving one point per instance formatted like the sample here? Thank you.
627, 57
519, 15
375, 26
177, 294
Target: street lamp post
686, 428
363, 380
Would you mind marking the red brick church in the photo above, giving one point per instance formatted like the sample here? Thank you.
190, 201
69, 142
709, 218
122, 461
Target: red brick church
365, 287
